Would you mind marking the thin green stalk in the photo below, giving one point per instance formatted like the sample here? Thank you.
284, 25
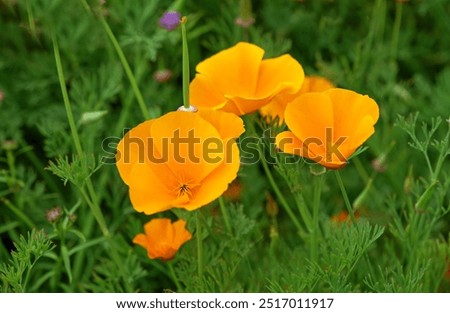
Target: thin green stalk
199, 245
22, 216
272, 182
186, 74
345, 195
360, 168
315, 226
76, 139
62, 82
225, 216
396, 29
11, 164
31, 21
123, 60
174, 276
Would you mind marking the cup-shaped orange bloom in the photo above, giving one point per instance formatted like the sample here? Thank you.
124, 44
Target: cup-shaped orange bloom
162, 238
277, 106
181, 159
328, 127
239, 81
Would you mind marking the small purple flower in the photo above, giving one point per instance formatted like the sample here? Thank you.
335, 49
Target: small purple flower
170, 20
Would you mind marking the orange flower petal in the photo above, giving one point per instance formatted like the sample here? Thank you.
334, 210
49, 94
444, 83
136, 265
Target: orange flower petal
132, 149
283, 73
141, 239
180, 138
216, 183
181, 235
315, 84
159, 231
227, 67
277, 105
148, 193
205, 94
308, 117
349, 108
289, 143
227, 124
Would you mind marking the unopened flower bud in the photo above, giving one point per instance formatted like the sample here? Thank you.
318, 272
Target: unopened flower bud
2, 95
244, 22
9, 145
379, 164
73, 217
162, 76
53, 215
409, 181
271, 206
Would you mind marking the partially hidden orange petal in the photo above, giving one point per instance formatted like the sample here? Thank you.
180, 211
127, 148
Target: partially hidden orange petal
204, 94
227, 124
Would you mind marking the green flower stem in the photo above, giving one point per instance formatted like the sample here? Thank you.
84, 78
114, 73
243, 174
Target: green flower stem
344, 194
31, 21
396, 29
272, 182
174, 276
186, 74
315, 219
198, 230
96, 211
123, 60
11, 164
277, 191
225, 215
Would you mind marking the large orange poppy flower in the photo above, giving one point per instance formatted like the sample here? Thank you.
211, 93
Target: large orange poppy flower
182, 159
239, 81
328, 127
277, 106
162, 238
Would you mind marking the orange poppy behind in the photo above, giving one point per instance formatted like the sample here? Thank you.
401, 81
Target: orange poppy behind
328, 127
239, 81
162, 238
276, 107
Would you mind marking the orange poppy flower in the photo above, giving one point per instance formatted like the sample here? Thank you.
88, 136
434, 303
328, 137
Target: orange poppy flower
328, 127
239, 81
162, 238
182, 159
278, 104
